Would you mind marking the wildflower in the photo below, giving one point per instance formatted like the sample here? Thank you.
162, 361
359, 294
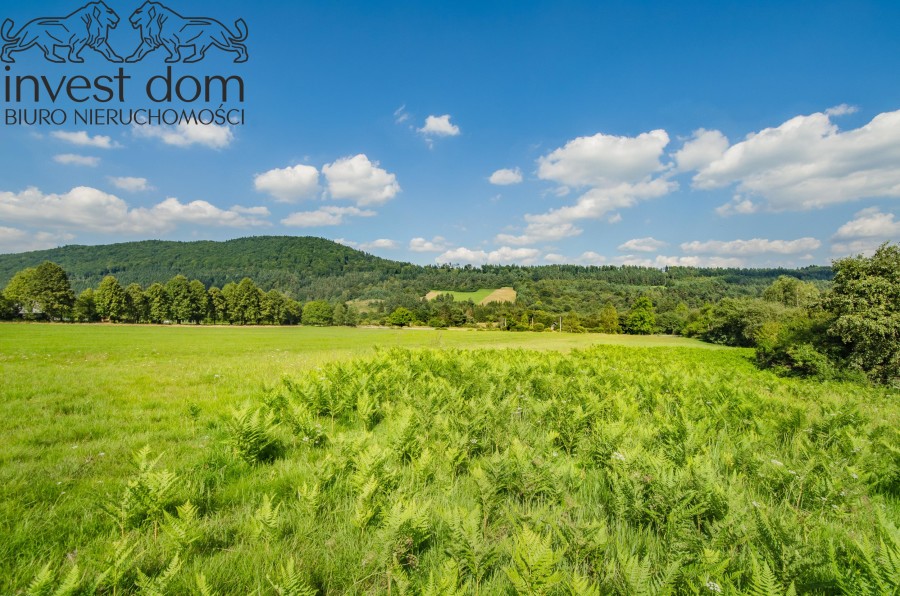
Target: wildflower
713, 587
792, 472
618, 456
755, 504
775, 462
854, 476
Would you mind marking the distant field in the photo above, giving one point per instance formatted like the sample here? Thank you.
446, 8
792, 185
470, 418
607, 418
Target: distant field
394, 468
483, 296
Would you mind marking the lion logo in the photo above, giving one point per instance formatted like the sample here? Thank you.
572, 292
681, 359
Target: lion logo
163, 27
87, 27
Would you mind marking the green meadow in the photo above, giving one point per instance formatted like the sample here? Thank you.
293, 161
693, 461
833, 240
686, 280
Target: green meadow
221, 460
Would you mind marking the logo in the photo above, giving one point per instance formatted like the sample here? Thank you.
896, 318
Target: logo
158, 25
87, 27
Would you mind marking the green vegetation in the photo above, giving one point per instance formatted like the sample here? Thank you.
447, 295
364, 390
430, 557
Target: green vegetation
475, 297
223, 460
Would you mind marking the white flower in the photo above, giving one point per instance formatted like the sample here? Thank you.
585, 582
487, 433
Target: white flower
776, 462
618, 456
713, 587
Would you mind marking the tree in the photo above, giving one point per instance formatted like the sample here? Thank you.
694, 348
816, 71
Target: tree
609, 319
7, 308
246, 309
642, 318
85, 309
157, 303
137, 303
43, 291
401, 317
111, 300
21, 292
199, 301
218, 307
339, 315
273, 307
179, 291
317, 312
790, 291
865, 301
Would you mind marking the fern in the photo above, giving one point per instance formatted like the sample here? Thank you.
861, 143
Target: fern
43, 582
146, 494
203, 588
405, 531
266, 519
184, 529
252, 435
445, 582
156, 586
580, 585
535, 564
290, 582
467, 546
118, 565
764, 583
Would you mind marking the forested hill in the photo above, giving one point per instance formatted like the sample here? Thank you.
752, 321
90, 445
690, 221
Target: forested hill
284, 262
317, 269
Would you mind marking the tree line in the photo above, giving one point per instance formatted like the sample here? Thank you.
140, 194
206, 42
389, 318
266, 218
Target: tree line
45, 293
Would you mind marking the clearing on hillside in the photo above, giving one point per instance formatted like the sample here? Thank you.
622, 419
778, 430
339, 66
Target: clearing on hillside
482, 296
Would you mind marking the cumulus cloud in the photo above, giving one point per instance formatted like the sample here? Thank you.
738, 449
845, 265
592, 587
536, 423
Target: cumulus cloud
502, 256
130, 184
703, 148
436, 244
540, 232
70, 159
89, 209
642, 245
737, 206
83, 139
439, 126
605, 161
382, 243
616, 173
865, 232
186, 135
505, 177
807, 162
15, 240
289, 184
324, 216
756, 246
360, 180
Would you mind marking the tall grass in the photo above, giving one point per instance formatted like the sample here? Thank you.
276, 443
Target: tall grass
605, 471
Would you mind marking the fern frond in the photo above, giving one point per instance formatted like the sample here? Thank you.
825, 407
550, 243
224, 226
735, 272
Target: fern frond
534, 569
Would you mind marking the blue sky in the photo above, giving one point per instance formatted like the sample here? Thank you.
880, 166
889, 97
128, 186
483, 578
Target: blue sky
656, 133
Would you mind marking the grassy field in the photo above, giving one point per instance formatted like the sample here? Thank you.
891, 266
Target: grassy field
482, 296
331, 459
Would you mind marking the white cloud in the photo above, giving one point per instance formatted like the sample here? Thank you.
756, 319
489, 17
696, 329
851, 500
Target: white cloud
591, 258
642, 245
15, 240
865, 232
756, 246
289, 184
618, 172
185, 135
439, 126
502, 256
130, 184
556, 258
605, 161
401, 115
70, 159
436, 244
661, 261
703, 148
257, 211
83, 139
869, 223
808, 163
737, 206
360, 180
382, 243
506, 177
540, 232
841, 110
89, 209
324, 216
